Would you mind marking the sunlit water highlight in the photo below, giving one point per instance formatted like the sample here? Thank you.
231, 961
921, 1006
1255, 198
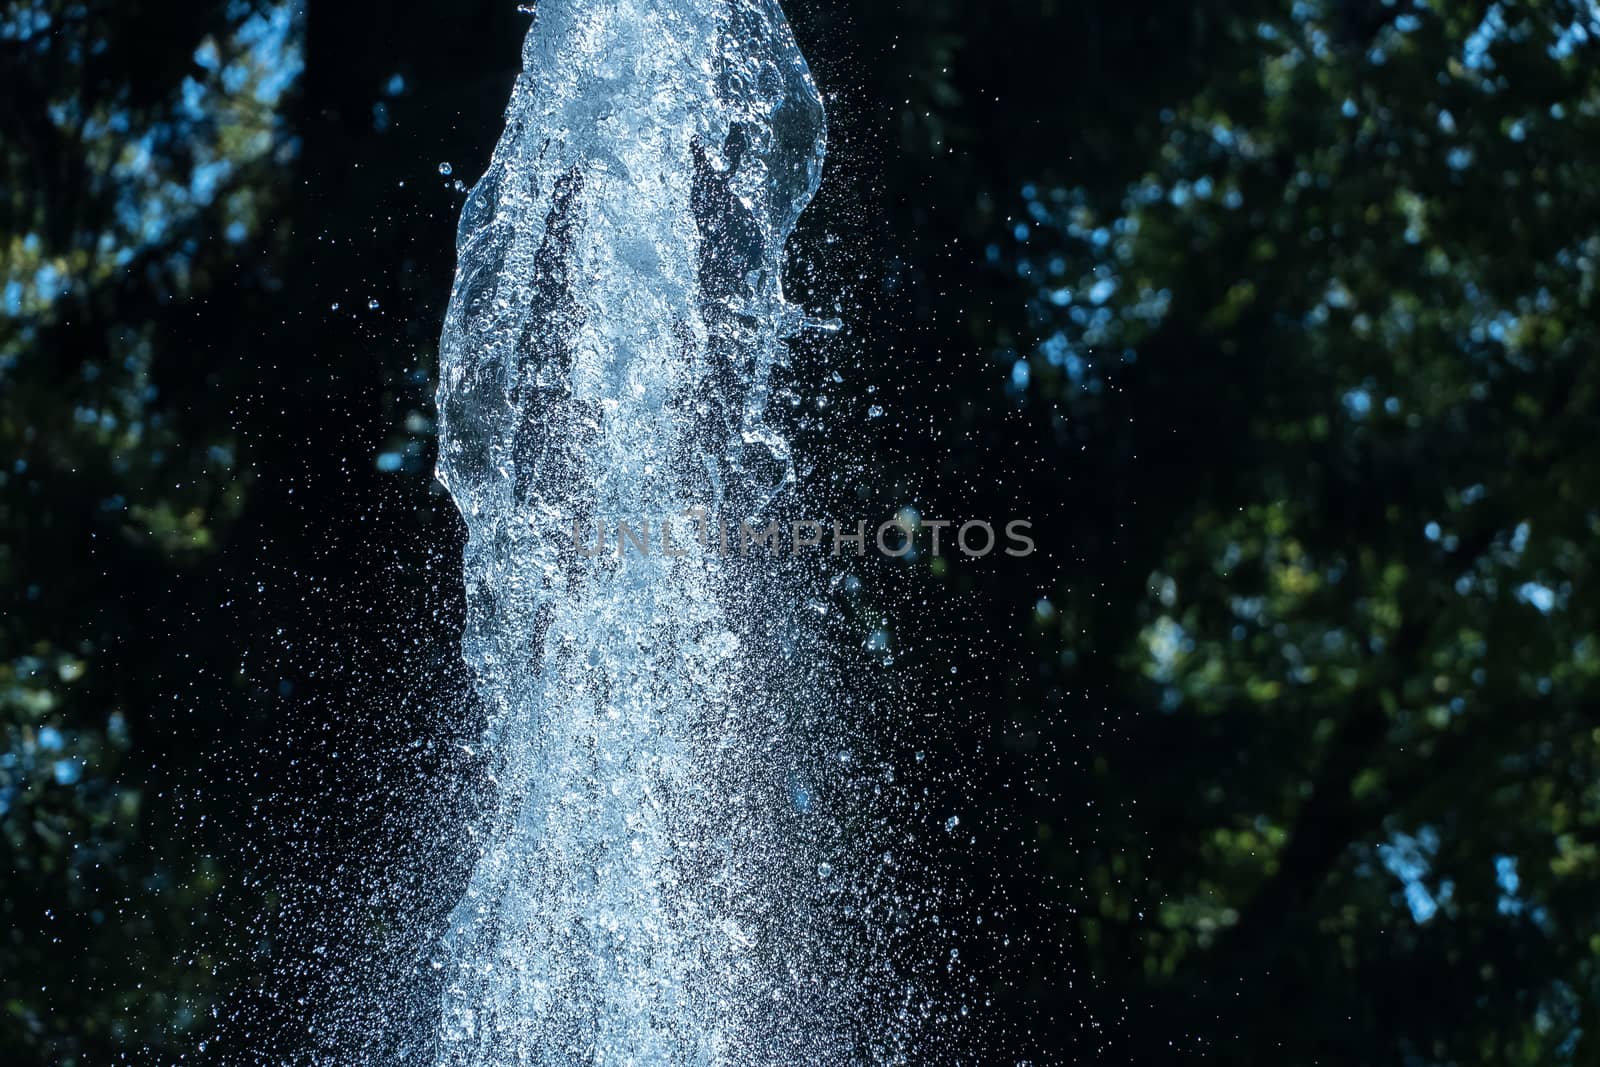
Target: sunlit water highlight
650, 870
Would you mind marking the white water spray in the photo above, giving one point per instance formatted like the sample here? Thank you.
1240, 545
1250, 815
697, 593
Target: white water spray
648, 873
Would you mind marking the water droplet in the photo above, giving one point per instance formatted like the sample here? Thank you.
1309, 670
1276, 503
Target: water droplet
372, 305
875, 411
951, 823
824, 870
446, 169
833, 325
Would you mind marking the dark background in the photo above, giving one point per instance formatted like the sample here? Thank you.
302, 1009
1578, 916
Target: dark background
1278, 320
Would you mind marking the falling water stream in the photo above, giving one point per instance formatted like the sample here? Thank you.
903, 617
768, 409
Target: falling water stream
647, 873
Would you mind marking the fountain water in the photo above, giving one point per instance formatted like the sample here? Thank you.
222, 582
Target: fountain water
648, 870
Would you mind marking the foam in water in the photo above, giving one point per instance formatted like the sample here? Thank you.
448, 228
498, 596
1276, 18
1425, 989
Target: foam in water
648, 875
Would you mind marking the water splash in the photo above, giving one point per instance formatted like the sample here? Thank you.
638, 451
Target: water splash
647, 872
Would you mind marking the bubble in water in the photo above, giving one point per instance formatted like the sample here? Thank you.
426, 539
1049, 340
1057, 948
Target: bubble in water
446, 169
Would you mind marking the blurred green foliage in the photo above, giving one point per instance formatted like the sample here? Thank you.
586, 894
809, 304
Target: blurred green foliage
1278, 319
1363, 256
132, 176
